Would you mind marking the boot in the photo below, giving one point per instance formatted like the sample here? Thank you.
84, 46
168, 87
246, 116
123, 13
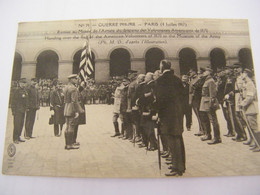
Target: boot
116, 129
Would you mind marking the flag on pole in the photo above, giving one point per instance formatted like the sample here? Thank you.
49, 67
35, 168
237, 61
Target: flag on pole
86, 68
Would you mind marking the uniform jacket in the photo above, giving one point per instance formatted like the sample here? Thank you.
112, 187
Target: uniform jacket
169, 97
71, 99
33, 98
209, 93
238, 92
19, 100
57, 103
124, 99
131, 94
249, 101
117, 99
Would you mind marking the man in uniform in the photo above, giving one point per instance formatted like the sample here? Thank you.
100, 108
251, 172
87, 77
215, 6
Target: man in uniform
249, 104
19, 106
132, 75
57, 104
209, 105
169, 97
72, 110
187, 106
32, 107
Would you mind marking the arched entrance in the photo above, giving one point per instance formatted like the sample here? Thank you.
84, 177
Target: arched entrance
153, 58
187, 60
119, 62
76, 62
47, 65
245, 58
17, 67
217, 59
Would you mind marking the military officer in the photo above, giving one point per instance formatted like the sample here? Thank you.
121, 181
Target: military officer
32, 107
57, 104
187, 106
209, 105
19, 106
249, 104
72, 110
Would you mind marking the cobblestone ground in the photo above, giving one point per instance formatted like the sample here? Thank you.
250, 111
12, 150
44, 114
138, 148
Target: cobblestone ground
102, 156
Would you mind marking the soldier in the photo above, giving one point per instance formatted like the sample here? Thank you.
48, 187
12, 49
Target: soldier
187, 106
32, 107
57, 104
132, 75
19, 106
196, 83
82, 115
249, 105
117, 103
229, 108
169, 95
72, 110
195, 99
146, 102
209, 105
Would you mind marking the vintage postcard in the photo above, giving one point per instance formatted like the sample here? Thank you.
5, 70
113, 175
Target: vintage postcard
133, 98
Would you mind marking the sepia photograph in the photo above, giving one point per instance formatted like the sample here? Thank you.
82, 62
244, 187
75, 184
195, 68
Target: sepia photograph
133, 98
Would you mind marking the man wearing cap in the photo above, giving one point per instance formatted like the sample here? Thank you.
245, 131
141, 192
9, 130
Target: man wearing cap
209, 105
195, 99
19, 106
249, 104
132, 75
32, 107
72, 110
57, 104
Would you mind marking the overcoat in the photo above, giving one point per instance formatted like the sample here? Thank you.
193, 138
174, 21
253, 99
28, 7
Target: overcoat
169, 94
209, 95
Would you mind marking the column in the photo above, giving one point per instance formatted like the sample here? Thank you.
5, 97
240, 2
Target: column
28, 69
175, 65
203, 62
138, 64
64, 70
102, 71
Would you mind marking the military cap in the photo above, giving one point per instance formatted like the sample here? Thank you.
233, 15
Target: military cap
248, 71
72, 76
208, 69
22, 80
184, 76
132, 71
237, 65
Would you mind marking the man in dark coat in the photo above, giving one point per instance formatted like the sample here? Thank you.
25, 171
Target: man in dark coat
57, 104
169, 95
19, 106
32, 107
187, 106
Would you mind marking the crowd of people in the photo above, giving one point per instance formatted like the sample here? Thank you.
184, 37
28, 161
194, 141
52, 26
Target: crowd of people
159, 102
148, 104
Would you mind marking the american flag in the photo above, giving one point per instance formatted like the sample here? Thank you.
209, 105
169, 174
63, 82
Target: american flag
86, 68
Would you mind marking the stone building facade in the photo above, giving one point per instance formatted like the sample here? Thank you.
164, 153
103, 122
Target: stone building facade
53, 49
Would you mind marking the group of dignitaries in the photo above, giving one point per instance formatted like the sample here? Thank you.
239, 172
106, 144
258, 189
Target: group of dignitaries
66, 103
159, 101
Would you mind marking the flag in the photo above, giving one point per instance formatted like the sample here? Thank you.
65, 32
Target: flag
86, 68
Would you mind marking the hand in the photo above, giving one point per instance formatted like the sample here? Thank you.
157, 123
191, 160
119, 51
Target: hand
129, 110
227, 96
155, 118
76, 115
